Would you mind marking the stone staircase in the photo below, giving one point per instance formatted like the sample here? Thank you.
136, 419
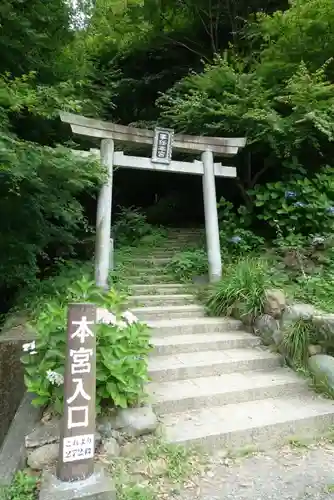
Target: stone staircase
214, 384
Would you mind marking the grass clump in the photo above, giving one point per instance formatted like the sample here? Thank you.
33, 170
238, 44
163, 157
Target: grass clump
241, 291
297, 336
136, 492
179, 461
23, 487
157, 470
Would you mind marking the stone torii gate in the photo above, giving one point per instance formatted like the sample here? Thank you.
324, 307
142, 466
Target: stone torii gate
162, 141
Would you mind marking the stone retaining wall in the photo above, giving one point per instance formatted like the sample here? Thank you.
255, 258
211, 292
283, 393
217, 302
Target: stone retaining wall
11, 383
279, 314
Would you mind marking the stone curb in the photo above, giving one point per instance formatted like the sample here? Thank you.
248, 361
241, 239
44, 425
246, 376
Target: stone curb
12, 453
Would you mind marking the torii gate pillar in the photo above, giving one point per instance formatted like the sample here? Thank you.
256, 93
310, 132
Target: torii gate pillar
103, 218
211, 217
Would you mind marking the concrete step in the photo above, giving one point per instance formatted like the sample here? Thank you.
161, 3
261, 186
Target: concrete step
154, 253
168, 312
203, 392
263, 423
185, 233
161, 300
149, 253
176, 344
149, 279
158, 289
178, 245
187, 326
151, 269
210, 363
150, 261
180, 242
149, 272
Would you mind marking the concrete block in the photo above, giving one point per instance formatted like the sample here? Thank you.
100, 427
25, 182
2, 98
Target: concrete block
97, 487
12, 453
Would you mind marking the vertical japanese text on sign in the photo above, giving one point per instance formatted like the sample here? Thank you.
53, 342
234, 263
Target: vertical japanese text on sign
77, 445
162, 145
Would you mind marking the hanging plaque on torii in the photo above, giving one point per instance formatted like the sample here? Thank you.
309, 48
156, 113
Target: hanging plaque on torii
162, 141
162, 145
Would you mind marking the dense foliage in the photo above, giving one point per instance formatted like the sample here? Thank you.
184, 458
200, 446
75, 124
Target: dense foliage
121, 358
43, 217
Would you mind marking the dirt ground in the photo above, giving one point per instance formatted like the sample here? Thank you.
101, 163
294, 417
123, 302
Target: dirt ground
295, 471
291, 473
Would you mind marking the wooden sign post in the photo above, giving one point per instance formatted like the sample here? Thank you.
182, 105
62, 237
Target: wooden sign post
77, 441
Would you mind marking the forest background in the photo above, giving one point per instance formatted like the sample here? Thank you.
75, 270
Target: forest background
257, 68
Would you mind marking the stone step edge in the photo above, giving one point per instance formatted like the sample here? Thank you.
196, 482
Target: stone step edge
257, 355
160, 370
218, 390
149, 260
162, 297
164, 286
169, 323
307, 416
135, 277
172, 339
158, 271
201, 342
167, 309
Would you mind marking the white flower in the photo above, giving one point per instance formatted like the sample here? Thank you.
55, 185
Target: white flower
318, 240
121, 325
106, 317
129, 317
30, 347
54, 377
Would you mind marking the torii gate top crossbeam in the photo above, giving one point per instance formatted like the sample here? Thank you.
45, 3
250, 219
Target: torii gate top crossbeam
107, 130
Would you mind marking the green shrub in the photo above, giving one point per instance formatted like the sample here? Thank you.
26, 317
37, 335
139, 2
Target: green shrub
241, 291
317, 289
33, 297
23, 487
187, 264
240, 242
236, 238
301, 206
122, 349
132, 228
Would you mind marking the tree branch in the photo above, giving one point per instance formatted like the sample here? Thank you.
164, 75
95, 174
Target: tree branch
247, 199
258, 175
177, 42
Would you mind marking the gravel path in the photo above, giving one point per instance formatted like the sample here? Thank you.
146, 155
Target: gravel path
286, 474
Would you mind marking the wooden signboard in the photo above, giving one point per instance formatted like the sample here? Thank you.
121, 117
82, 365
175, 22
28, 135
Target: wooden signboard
77, 442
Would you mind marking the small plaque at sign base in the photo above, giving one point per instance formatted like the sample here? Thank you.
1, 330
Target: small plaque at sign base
162, 145
78, 447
